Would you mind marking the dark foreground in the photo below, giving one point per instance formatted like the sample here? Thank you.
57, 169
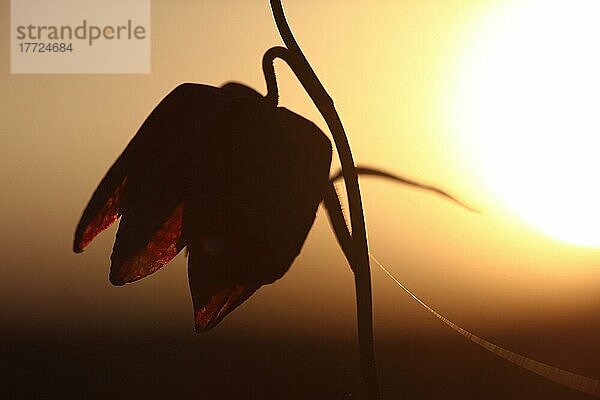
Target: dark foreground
161, 366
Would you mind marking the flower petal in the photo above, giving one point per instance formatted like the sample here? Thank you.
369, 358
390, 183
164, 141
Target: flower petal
159, 249
220, 304
179, 116
247, 221
102, 211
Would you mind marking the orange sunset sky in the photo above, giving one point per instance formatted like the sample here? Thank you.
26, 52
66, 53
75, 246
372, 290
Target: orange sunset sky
393, 70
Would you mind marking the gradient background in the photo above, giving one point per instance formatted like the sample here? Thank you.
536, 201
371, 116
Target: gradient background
66, 331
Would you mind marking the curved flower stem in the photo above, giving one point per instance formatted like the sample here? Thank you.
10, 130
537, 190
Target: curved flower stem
359, 261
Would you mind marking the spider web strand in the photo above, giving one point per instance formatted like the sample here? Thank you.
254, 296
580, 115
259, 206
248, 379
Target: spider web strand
566, 378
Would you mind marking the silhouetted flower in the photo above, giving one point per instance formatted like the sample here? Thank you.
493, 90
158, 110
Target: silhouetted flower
223, 172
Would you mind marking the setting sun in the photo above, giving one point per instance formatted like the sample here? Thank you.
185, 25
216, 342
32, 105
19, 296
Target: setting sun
527, 104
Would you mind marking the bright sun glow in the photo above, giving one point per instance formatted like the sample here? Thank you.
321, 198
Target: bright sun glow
529, 106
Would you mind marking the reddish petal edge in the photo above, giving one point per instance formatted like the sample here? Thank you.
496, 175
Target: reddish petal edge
220, 304
102, 220
164, 245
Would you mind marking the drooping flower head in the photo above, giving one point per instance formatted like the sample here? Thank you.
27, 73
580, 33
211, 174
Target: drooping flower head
224, 172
